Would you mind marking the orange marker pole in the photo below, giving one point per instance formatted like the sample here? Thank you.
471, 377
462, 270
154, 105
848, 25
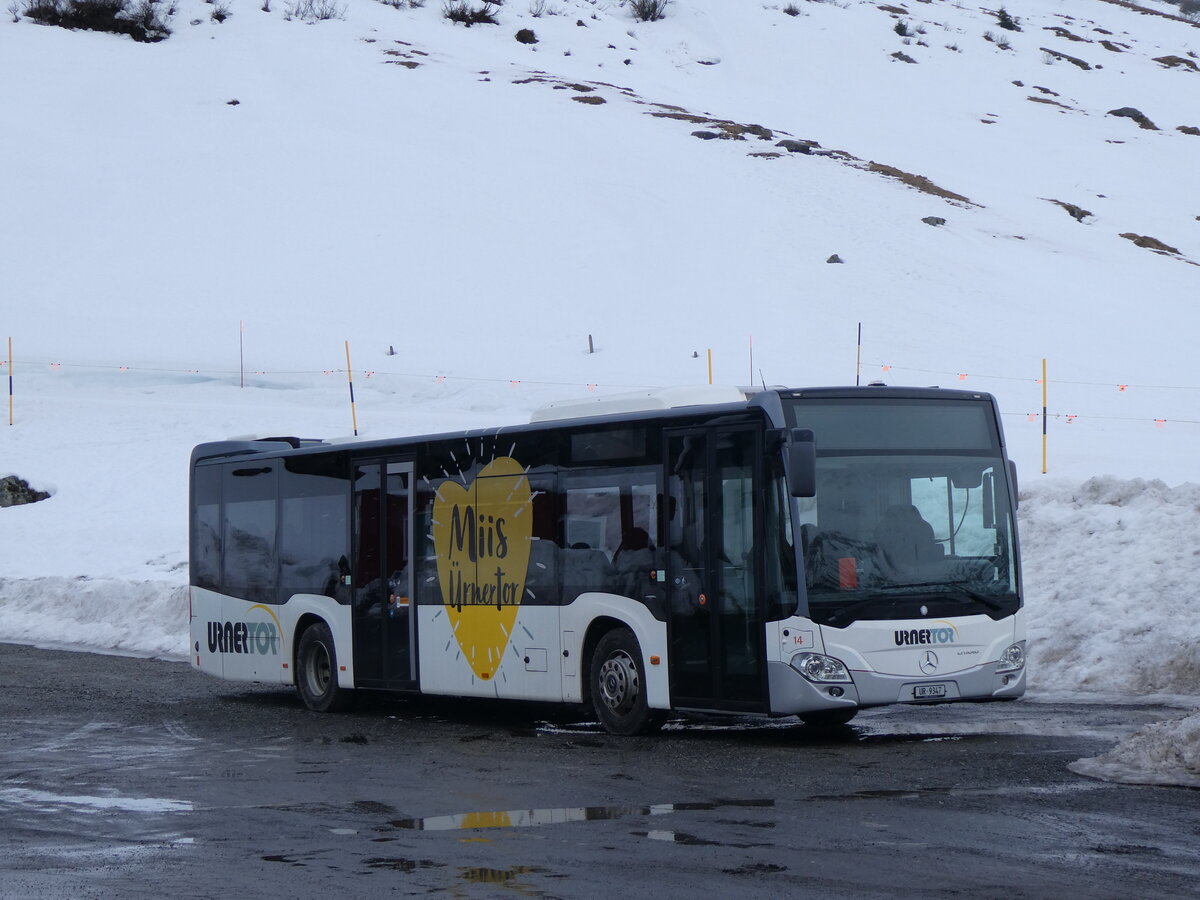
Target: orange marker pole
710, 365
350, 381
10, 383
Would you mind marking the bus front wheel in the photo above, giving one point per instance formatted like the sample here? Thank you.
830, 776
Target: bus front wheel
618, 686
316, 671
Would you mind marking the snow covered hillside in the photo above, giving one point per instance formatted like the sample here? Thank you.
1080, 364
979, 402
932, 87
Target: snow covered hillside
235, 202
394, 179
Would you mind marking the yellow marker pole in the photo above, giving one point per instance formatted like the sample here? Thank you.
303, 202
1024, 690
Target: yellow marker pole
858, 358
10, 383
350, 381
1043, 416
710, 365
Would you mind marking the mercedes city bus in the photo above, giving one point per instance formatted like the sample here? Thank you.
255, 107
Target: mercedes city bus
784, 552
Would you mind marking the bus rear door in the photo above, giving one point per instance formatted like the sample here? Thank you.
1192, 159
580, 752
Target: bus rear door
384, 611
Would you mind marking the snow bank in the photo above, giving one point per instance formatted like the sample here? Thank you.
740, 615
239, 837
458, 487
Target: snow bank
134, 617
1111, 586
1161, 753
1111, 572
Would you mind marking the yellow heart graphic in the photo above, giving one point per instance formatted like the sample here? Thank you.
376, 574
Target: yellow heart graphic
481, 534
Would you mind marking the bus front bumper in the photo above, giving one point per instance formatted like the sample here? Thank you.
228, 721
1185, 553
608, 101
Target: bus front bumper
792, 693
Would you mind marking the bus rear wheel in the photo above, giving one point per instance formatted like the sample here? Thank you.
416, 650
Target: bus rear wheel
617, 682
316, 671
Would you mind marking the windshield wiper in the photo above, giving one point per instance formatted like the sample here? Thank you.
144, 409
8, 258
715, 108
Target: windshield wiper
850, 610
951, 587
844, 615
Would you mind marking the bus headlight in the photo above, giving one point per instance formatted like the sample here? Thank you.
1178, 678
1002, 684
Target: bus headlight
820, 669
1012, 659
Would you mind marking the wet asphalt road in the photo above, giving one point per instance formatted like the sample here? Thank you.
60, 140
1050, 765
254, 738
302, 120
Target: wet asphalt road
140, 778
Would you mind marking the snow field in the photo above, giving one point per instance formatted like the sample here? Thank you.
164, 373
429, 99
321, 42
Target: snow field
390, 179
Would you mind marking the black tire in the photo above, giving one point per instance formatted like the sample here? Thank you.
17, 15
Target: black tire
316, 671
617, 683
829, 718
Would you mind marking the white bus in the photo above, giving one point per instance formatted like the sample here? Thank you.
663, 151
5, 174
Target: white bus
781, 552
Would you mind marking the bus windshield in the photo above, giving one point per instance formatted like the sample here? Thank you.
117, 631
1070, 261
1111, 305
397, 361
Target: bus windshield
912, 529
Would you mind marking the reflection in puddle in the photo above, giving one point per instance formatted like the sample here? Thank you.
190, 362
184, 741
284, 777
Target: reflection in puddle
496, 876
676, 837
505, 878
526, 818
691, 840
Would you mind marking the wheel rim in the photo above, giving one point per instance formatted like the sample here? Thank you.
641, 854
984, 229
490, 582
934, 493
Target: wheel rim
319, 672
619, 685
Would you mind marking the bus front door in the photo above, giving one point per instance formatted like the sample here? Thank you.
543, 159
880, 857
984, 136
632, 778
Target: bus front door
717, 654
384, 613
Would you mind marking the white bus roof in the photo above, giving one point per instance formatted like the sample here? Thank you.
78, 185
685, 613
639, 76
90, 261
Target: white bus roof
638, 401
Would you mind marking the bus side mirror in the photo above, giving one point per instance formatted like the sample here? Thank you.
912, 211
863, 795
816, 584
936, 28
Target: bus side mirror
801, 455
1012, 477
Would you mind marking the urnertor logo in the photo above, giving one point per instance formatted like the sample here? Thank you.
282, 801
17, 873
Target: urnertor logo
945, 633
254, 638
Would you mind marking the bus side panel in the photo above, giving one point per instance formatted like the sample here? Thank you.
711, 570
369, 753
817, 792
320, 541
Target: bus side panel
244, 641
651, 635
249, 641
206, 616
530, 667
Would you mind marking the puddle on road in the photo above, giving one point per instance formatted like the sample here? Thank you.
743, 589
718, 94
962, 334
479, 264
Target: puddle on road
527, 818
49, 801
401, 864
921, 793
755, 869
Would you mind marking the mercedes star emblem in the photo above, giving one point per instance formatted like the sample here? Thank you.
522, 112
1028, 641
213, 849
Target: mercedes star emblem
929, 662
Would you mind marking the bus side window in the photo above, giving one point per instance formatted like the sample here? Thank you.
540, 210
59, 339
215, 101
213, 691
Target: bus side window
250, 570
314, 532
541, 579
591, 526
608, 520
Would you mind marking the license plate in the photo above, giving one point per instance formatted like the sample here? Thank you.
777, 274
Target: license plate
928, 691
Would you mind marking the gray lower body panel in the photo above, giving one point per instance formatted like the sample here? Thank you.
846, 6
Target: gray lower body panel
791, 693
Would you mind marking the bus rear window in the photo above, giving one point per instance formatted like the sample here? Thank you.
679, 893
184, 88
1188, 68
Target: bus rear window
206, 528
